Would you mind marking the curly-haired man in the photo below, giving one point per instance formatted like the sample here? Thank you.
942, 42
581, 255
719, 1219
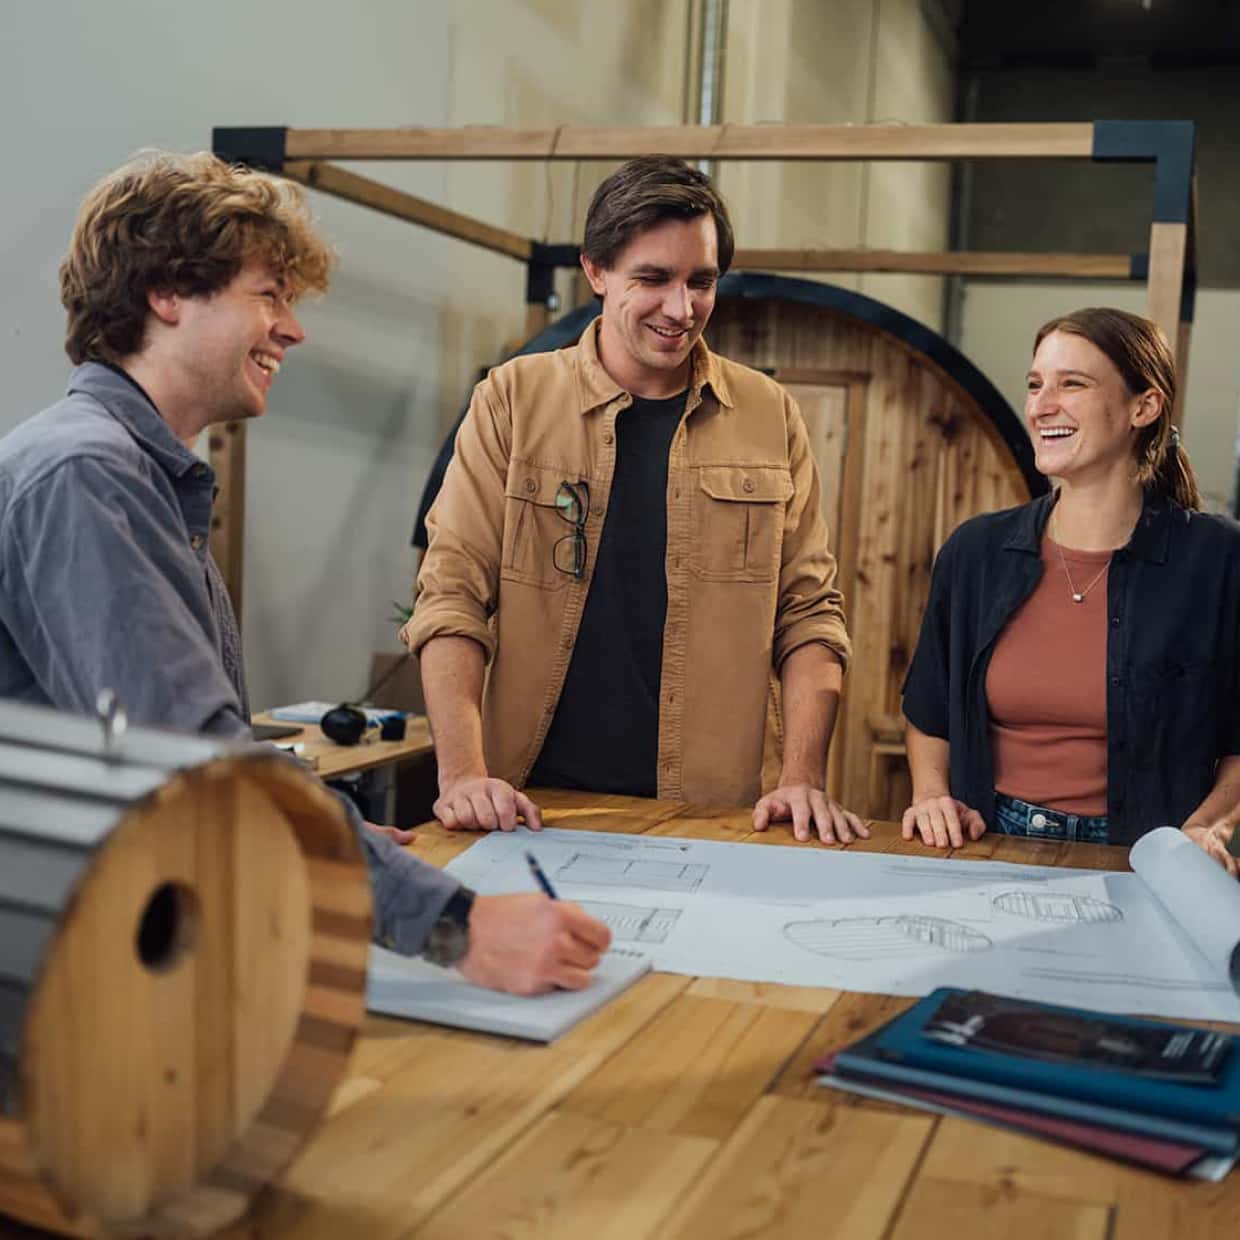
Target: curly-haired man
180, 289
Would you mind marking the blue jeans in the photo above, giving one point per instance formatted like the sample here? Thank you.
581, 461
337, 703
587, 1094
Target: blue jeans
1016, 817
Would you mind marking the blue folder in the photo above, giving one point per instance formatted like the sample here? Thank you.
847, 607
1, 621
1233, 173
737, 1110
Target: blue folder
1216, 1105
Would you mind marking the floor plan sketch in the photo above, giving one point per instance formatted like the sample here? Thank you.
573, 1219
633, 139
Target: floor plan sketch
1056, 906
892, 923
871, 938
596, 871
630, 923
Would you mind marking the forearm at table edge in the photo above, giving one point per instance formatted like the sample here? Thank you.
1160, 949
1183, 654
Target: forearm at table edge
407, 894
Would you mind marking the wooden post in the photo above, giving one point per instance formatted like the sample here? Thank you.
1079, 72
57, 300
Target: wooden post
226, 446
1168, 247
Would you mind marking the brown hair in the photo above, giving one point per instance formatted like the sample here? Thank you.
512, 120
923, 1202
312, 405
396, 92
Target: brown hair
184, 224
644, 192
1139, 350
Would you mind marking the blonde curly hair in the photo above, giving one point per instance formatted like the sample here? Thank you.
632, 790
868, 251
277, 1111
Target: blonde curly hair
184, 224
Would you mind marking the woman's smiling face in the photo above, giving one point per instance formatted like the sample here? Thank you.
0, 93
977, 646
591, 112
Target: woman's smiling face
1081, 416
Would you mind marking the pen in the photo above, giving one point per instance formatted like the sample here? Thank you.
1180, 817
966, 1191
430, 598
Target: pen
539, 877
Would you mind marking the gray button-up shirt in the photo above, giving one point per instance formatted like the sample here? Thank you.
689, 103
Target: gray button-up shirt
106, 582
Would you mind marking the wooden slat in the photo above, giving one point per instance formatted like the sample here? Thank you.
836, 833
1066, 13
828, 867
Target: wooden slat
1168, 247
798, 1169
714, 1060
1183, 344
450, 1105
942, 1210
974, 263
572, 1176
904, 142
226, 451
341, 183
816, 999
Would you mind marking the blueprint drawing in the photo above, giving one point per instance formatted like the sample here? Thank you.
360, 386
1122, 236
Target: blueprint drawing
1164, 940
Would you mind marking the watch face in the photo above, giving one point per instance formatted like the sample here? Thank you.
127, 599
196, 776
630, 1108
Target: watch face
448, 940
447, 943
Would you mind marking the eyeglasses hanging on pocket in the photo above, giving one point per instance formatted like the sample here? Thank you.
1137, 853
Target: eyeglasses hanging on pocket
572, 504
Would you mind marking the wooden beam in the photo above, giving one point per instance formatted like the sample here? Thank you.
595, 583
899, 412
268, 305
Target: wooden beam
1168, 249
226, 451
905, 142
975, 263
348, 185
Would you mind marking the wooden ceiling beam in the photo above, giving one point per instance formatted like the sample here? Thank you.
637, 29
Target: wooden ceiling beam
831, 142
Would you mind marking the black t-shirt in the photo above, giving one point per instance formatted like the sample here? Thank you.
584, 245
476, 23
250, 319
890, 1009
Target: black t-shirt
605, 733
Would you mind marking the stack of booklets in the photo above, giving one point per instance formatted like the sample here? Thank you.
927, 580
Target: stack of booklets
1161, 1095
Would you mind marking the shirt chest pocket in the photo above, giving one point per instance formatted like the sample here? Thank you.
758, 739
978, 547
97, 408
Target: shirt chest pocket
1176, 707
738, 521
534, 525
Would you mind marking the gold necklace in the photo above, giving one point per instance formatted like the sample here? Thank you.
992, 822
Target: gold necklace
1078, 596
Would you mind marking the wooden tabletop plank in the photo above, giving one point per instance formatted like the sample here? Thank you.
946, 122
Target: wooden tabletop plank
453, 1104
1145, 1203
946, 1210
800, 1169
697, 1068
572, 1176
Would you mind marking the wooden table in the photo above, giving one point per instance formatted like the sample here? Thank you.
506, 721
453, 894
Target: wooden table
332, 760
688, 1108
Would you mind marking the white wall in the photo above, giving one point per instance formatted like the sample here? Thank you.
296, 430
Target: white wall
847, 62
1000, 321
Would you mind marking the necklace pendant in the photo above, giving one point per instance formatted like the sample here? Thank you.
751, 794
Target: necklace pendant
1078, 598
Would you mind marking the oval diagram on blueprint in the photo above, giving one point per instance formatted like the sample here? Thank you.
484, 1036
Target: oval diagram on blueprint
907, 936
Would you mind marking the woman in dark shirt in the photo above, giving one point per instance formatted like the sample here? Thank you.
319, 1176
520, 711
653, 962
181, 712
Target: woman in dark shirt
1076, 674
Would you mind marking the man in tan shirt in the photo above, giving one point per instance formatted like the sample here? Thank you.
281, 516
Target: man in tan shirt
630, 535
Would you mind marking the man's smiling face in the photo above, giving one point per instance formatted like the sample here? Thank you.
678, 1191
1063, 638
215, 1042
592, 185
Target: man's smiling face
657, 297
233, 341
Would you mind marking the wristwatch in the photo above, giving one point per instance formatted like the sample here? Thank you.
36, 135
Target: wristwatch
448, 940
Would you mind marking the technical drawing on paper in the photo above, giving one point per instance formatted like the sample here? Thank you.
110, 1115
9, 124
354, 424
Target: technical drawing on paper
872, 938
1056, 906
631, 923
646, 875
1195, 985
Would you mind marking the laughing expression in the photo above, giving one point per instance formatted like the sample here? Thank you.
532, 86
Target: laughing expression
657, 297
234, 341
1081, 416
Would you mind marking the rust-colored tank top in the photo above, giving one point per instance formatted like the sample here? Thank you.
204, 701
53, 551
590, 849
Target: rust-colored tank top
1046, 688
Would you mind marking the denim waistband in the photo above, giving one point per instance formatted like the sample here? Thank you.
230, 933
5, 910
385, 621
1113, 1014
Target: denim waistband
1016, 817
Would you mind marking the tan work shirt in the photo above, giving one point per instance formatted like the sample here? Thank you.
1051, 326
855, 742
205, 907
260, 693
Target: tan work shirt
749, 572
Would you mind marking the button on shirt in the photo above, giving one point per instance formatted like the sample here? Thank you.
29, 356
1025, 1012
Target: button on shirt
1172, 655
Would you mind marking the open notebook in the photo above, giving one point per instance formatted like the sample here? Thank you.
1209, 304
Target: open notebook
410, 987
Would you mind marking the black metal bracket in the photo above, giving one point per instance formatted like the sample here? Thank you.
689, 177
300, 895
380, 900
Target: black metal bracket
1169, 145
541, 267
256, 147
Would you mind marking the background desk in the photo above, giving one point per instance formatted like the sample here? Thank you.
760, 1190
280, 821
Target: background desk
688, 1108
336, 760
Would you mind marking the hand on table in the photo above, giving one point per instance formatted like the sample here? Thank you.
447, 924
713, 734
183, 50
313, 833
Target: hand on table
480, 803
397, 835
1212, 839
526, 944
809, 808
942, 822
